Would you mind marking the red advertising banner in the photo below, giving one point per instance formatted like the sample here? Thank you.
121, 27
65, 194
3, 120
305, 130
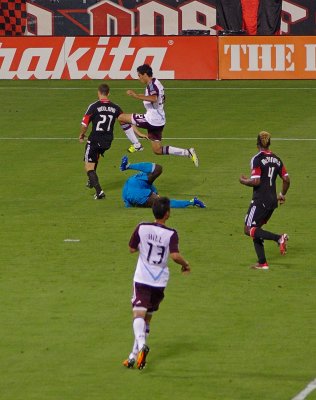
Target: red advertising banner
267, 57
171, 57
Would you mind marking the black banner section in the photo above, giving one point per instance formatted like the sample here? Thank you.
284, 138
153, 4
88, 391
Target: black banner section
269, 17
229, 15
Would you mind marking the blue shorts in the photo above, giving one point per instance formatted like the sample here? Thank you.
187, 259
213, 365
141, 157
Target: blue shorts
137, 190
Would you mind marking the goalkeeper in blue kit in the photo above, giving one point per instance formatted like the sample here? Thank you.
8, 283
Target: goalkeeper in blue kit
139, 190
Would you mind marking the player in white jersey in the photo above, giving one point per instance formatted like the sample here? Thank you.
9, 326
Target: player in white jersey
154, 119
155, 242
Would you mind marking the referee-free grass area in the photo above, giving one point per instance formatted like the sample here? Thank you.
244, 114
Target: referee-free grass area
225, 332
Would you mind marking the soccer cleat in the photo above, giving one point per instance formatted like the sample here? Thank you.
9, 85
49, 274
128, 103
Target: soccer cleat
129, 362
193, 156
260, 266
283, 243
141, 358
198, 203
124, 163
135, 147
99, 196
88, 184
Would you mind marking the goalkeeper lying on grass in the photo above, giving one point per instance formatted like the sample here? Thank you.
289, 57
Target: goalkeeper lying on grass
139, 190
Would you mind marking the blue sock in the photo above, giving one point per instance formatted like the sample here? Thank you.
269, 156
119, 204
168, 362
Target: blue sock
146, 167
180, 203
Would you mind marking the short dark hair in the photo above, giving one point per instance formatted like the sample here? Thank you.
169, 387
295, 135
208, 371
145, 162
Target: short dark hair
104, 89
160, 207
145, 69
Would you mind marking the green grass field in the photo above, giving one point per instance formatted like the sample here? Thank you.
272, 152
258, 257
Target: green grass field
225, 332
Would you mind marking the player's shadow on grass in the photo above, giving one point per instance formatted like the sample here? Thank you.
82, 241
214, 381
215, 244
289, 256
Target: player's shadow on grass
173, 349
113, 186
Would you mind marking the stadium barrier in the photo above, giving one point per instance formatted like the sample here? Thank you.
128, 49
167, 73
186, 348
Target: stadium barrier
267, 57
172, 57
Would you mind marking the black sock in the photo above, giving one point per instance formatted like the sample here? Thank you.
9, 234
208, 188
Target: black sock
259, 248
265, 235
94, 181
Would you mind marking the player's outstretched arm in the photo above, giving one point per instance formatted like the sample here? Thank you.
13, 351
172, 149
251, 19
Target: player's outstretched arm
249, 181
139, 133
177, 258
152, 98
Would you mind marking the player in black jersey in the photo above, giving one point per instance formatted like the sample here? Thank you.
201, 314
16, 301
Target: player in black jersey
102, 114
265, 167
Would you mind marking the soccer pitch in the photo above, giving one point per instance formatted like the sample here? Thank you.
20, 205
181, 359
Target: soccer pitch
225, 332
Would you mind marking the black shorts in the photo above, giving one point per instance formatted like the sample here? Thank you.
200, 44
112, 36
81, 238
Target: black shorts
154, 132
257, 214
94, 149
147, 297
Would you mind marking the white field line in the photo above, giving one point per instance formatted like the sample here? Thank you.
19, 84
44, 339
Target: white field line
167, 88
306, 391
168, 138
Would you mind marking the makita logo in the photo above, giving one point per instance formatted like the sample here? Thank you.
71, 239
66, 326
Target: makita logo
72, 58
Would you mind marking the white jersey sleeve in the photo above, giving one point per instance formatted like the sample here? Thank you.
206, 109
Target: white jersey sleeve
155, 114
155, 242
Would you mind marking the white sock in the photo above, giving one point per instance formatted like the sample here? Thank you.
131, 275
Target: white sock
139, 327
134, 351
129, 132
176, 151
147, 330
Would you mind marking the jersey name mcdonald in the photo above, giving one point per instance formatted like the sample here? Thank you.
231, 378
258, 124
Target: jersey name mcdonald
266, 166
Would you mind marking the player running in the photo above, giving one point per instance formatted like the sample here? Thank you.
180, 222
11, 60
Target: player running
265, 167
102, 114
155, 242
139, 190
154, 119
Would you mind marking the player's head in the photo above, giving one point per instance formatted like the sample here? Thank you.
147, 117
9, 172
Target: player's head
103, 90
263, 140
145, 73
161, 208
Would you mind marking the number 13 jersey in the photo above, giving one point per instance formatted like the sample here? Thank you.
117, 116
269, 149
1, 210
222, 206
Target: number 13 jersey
155, 242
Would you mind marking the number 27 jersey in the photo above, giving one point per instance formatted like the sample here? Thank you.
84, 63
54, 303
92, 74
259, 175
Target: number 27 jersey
155, 242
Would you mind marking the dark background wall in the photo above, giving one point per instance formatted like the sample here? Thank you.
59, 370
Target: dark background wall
72, 17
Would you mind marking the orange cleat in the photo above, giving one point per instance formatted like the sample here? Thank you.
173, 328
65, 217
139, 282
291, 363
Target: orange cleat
141, 358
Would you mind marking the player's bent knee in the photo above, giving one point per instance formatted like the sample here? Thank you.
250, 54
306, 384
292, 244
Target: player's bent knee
158, 169
139, 312
89, 167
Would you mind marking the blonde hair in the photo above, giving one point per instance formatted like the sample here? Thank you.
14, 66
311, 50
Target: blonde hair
263, 139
